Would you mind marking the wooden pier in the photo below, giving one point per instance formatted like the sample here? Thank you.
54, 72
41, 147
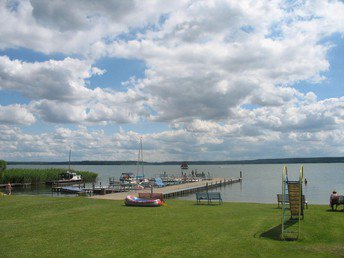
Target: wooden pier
16, 185
175, 190
199, 188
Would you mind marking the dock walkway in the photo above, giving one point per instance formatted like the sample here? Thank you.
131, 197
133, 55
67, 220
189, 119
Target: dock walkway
16, 185
174, 190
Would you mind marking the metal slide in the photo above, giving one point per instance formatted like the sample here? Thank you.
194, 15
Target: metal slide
294, 190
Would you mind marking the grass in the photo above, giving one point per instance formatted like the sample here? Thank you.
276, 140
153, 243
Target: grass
77, 227
37, 176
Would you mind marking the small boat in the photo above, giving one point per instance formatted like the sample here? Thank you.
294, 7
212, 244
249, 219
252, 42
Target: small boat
69, 176
127, 177
66, 178
184, 165
131, 200
128, 180
72, 189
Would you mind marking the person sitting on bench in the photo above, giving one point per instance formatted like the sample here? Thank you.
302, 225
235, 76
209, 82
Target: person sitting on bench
334, 199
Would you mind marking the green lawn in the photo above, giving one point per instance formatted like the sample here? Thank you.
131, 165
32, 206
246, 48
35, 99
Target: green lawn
76, 227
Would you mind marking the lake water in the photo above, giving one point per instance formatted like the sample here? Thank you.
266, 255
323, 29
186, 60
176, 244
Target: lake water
260, 183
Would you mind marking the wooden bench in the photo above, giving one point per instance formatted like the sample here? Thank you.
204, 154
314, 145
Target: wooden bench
280, 200
208, 196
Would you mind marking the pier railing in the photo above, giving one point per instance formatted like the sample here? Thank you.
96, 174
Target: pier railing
194, 189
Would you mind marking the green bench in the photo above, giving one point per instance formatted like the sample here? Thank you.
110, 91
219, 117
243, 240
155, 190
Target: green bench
209, 196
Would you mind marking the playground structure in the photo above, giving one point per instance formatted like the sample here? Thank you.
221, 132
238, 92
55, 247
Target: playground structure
290, 231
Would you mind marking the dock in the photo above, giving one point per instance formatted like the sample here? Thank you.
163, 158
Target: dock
16, 185
174, 190
71, 190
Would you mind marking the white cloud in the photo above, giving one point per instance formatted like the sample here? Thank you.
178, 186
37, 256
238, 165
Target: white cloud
179, 144
60, 94
74, 26
62, 80
214, 56
220, 73
16, 114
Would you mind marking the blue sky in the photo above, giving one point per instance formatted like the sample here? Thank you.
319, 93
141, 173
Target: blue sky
197, 80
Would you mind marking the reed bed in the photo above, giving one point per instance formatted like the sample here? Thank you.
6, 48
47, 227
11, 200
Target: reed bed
38, 176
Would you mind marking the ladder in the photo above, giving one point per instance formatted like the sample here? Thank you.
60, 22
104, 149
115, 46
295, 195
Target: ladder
295, 199
294, 190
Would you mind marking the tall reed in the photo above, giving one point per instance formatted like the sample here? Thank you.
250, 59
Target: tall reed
37, 176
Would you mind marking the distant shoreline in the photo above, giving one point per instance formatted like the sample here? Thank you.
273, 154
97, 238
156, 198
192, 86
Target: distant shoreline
223, 162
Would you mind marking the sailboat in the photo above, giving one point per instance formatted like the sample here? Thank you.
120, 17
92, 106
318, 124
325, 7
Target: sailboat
69, 176
140, 162
143, 182
129, 179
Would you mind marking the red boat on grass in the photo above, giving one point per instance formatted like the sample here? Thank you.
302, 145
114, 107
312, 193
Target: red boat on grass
131, 200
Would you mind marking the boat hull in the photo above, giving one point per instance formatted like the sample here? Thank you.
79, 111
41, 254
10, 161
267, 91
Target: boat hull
131, 200
64, 182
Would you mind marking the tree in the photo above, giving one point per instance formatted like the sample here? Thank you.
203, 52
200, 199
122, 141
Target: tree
3, 166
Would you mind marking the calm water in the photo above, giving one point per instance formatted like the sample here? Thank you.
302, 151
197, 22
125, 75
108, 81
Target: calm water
260, 183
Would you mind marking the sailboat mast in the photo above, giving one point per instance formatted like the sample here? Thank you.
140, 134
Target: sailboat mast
140, 160
70, 153
143, 173
138, 163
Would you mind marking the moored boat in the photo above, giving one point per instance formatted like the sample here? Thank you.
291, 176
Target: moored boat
66, 178
69, 176
127, 178
184, 165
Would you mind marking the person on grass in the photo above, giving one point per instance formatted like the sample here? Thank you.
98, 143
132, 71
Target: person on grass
8, 188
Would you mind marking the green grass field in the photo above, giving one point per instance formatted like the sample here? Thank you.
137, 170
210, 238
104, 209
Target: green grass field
77, 227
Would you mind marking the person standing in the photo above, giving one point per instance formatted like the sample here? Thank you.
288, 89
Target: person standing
8, 188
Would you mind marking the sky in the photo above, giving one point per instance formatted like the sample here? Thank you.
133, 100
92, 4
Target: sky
196, 80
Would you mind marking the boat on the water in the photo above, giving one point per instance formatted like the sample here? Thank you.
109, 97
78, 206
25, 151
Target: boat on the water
69, 176
131, 200
66, 178
72, 189
184, 165
128, 179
